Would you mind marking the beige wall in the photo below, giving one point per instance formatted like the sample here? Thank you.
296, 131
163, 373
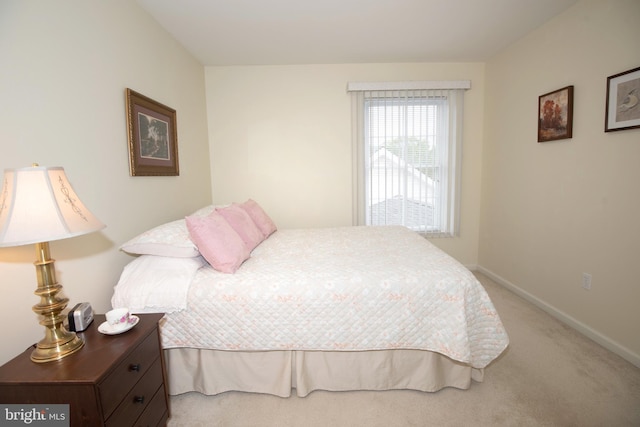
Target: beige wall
64, 67
554, 210
282, 135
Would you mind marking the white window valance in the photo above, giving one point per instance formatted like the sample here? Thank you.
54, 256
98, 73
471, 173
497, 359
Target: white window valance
408, 85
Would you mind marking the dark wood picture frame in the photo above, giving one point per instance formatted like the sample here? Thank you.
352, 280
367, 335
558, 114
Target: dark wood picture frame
153, 137
555, 115
623, 101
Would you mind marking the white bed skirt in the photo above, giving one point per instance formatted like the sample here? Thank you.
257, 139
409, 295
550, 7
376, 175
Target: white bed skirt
278, 372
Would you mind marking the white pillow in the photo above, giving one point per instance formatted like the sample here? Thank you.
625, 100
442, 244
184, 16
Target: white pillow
153, 284
205, 211
168, 240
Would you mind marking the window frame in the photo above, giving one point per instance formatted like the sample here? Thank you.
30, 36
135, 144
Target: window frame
451, 167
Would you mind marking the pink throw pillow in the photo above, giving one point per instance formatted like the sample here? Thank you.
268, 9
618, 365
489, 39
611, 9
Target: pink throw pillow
242, 223
259, 217
218, 243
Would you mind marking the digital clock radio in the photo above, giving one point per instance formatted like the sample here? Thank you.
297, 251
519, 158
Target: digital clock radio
80, 317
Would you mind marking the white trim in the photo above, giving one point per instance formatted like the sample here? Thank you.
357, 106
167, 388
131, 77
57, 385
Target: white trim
596, 336
409, 85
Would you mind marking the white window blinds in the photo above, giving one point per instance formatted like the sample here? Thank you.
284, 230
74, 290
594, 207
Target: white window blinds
407, 154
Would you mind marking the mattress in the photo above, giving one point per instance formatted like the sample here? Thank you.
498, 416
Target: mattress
338, 289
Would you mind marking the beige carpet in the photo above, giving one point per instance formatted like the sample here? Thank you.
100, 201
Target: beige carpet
549, 376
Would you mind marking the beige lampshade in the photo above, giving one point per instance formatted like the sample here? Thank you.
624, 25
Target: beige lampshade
38, 204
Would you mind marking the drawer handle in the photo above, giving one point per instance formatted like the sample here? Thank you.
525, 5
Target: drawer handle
134, 367
138, 399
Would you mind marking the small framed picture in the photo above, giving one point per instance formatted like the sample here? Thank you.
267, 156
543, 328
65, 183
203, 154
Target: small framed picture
153, 137
623, 95
555, 115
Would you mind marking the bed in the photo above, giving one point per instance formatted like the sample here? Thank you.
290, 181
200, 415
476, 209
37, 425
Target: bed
344, 308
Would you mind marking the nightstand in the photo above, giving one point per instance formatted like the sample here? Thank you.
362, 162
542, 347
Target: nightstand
113, 381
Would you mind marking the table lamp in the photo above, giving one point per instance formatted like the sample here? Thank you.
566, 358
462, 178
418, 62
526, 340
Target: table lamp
38, 205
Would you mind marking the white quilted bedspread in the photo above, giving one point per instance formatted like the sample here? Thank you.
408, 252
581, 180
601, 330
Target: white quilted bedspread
342, 289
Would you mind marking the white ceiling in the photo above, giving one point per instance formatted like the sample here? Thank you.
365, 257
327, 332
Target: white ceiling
270, 32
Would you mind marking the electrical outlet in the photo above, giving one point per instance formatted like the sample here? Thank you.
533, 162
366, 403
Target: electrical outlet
586, 281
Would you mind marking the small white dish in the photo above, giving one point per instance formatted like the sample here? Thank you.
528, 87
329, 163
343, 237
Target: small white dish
107, 329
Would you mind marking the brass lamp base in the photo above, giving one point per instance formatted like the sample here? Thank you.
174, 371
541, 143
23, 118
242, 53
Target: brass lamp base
48, 352
57, 342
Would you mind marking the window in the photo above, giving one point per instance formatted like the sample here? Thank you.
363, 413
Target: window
407, 158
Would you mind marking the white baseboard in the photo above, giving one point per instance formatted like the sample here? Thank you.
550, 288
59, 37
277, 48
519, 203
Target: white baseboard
596, 336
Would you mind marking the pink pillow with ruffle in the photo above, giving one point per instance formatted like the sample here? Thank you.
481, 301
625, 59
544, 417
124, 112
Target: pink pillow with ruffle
242, 223
217, 242
259, 217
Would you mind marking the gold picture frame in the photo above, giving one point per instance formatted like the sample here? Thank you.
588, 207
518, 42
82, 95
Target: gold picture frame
623, 101
555, 115
153, 137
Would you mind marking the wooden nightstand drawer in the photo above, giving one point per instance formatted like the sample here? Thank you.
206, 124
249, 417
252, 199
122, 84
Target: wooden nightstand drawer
119, 382
156, 413
138, 397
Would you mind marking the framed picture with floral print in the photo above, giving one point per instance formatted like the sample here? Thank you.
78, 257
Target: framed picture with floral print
555, 115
